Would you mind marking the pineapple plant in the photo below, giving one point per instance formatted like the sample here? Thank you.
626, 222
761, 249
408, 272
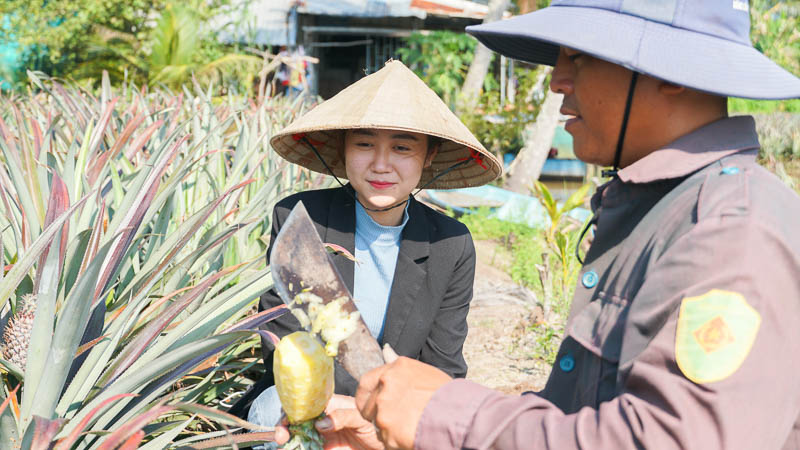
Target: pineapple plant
304, 381
136, 220
17, 334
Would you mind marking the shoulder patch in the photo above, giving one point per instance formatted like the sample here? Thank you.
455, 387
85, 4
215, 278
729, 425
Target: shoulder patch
715, 333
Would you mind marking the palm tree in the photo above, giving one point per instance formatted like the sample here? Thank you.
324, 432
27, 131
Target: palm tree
176, 48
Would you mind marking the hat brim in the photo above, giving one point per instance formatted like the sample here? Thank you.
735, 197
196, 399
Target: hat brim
695, 60
393, 98
293, 145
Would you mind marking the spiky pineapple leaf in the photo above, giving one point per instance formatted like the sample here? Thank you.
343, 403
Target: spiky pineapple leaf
8, 425
133, 382
32, 254
164, 439
132, 427
42, 332
69, 440
154, 328
13, 369
69, 329
43, 432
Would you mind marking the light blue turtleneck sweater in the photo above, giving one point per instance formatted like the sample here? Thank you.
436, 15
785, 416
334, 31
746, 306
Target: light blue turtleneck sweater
377, 247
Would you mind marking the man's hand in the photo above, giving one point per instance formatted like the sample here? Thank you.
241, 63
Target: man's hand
394, 396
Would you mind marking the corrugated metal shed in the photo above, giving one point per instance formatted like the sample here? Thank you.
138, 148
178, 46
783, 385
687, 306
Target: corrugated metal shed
360, 8
274, 22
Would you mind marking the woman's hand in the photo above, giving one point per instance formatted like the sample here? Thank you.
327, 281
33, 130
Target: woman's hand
343, 428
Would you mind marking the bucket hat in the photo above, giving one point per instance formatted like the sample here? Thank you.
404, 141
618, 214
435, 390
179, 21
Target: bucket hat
703, 45
392, 98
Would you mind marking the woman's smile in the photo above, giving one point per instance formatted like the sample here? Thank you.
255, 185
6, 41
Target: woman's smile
381, 184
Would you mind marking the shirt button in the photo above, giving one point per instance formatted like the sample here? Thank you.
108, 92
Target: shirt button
589, 279
731, 170
567, 363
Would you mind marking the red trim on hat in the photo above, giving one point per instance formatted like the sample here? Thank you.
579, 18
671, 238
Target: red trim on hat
299, 136
477, 157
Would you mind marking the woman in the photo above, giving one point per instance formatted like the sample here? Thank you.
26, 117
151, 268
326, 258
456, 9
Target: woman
388, 134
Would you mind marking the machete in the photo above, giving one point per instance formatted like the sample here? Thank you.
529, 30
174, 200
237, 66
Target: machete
300, 263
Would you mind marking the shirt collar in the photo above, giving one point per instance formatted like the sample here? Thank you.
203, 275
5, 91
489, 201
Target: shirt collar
694, 151
372, 231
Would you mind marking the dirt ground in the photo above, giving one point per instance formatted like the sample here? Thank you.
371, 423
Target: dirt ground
495, 350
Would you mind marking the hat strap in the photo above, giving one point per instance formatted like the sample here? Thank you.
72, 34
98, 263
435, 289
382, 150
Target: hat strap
439, 175
586, 228
621, 139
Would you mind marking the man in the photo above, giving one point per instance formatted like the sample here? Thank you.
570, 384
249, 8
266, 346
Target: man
683, 331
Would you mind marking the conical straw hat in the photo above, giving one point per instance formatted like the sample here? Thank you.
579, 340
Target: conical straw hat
392, 98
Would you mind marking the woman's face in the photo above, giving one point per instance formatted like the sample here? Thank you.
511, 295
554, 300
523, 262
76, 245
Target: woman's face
384, 166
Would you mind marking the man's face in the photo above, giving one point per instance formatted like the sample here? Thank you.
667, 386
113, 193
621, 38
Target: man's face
384, 166
594, 94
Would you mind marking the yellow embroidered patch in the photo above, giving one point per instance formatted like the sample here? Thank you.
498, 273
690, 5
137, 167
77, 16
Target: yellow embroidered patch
715, 333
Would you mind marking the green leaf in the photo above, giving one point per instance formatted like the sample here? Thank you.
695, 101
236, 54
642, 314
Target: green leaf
8, 425
135, 381
49, 268
70, 326
162, 441
576, 199
219, 416
43, 432
121, 434
546, 198
69, 440
154, 328
20, 269
42, 332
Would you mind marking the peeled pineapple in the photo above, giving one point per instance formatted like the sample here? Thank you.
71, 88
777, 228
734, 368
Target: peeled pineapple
303, 376
303, 368
304, 381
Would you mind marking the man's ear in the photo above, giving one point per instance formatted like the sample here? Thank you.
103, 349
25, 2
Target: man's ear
667, 88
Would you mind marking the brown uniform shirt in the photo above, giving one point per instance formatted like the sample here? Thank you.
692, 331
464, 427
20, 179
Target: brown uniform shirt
684, 330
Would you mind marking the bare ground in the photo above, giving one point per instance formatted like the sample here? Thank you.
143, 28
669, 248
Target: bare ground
496, 349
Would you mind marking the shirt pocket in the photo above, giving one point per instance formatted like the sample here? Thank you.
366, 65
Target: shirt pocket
599, 329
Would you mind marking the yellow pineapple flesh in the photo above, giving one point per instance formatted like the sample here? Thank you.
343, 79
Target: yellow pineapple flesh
303, 376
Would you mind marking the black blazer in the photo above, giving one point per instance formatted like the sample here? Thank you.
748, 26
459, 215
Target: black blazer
426, 317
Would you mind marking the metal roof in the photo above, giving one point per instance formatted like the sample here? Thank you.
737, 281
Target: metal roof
273, 22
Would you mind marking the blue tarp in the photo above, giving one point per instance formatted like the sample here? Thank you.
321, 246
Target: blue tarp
513, 207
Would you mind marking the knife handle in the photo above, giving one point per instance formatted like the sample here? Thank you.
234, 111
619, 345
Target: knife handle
360, 352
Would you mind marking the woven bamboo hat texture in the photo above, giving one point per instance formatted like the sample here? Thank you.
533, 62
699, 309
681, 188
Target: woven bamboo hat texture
392, 98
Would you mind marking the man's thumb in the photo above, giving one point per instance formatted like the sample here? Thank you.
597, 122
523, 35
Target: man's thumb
389, 355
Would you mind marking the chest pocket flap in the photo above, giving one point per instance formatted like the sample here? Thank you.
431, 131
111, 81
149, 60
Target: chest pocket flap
599, 326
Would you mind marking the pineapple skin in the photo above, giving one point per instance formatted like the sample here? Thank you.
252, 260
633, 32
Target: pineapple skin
303, 376
17, 334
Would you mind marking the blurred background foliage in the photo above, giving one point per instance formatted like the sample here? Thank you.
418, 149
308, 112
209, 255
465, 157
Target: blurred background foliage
775, 31
442, 58
144, 41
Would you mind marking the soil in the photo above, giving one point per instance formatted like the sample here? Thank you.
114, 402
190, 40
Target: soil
501, 310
